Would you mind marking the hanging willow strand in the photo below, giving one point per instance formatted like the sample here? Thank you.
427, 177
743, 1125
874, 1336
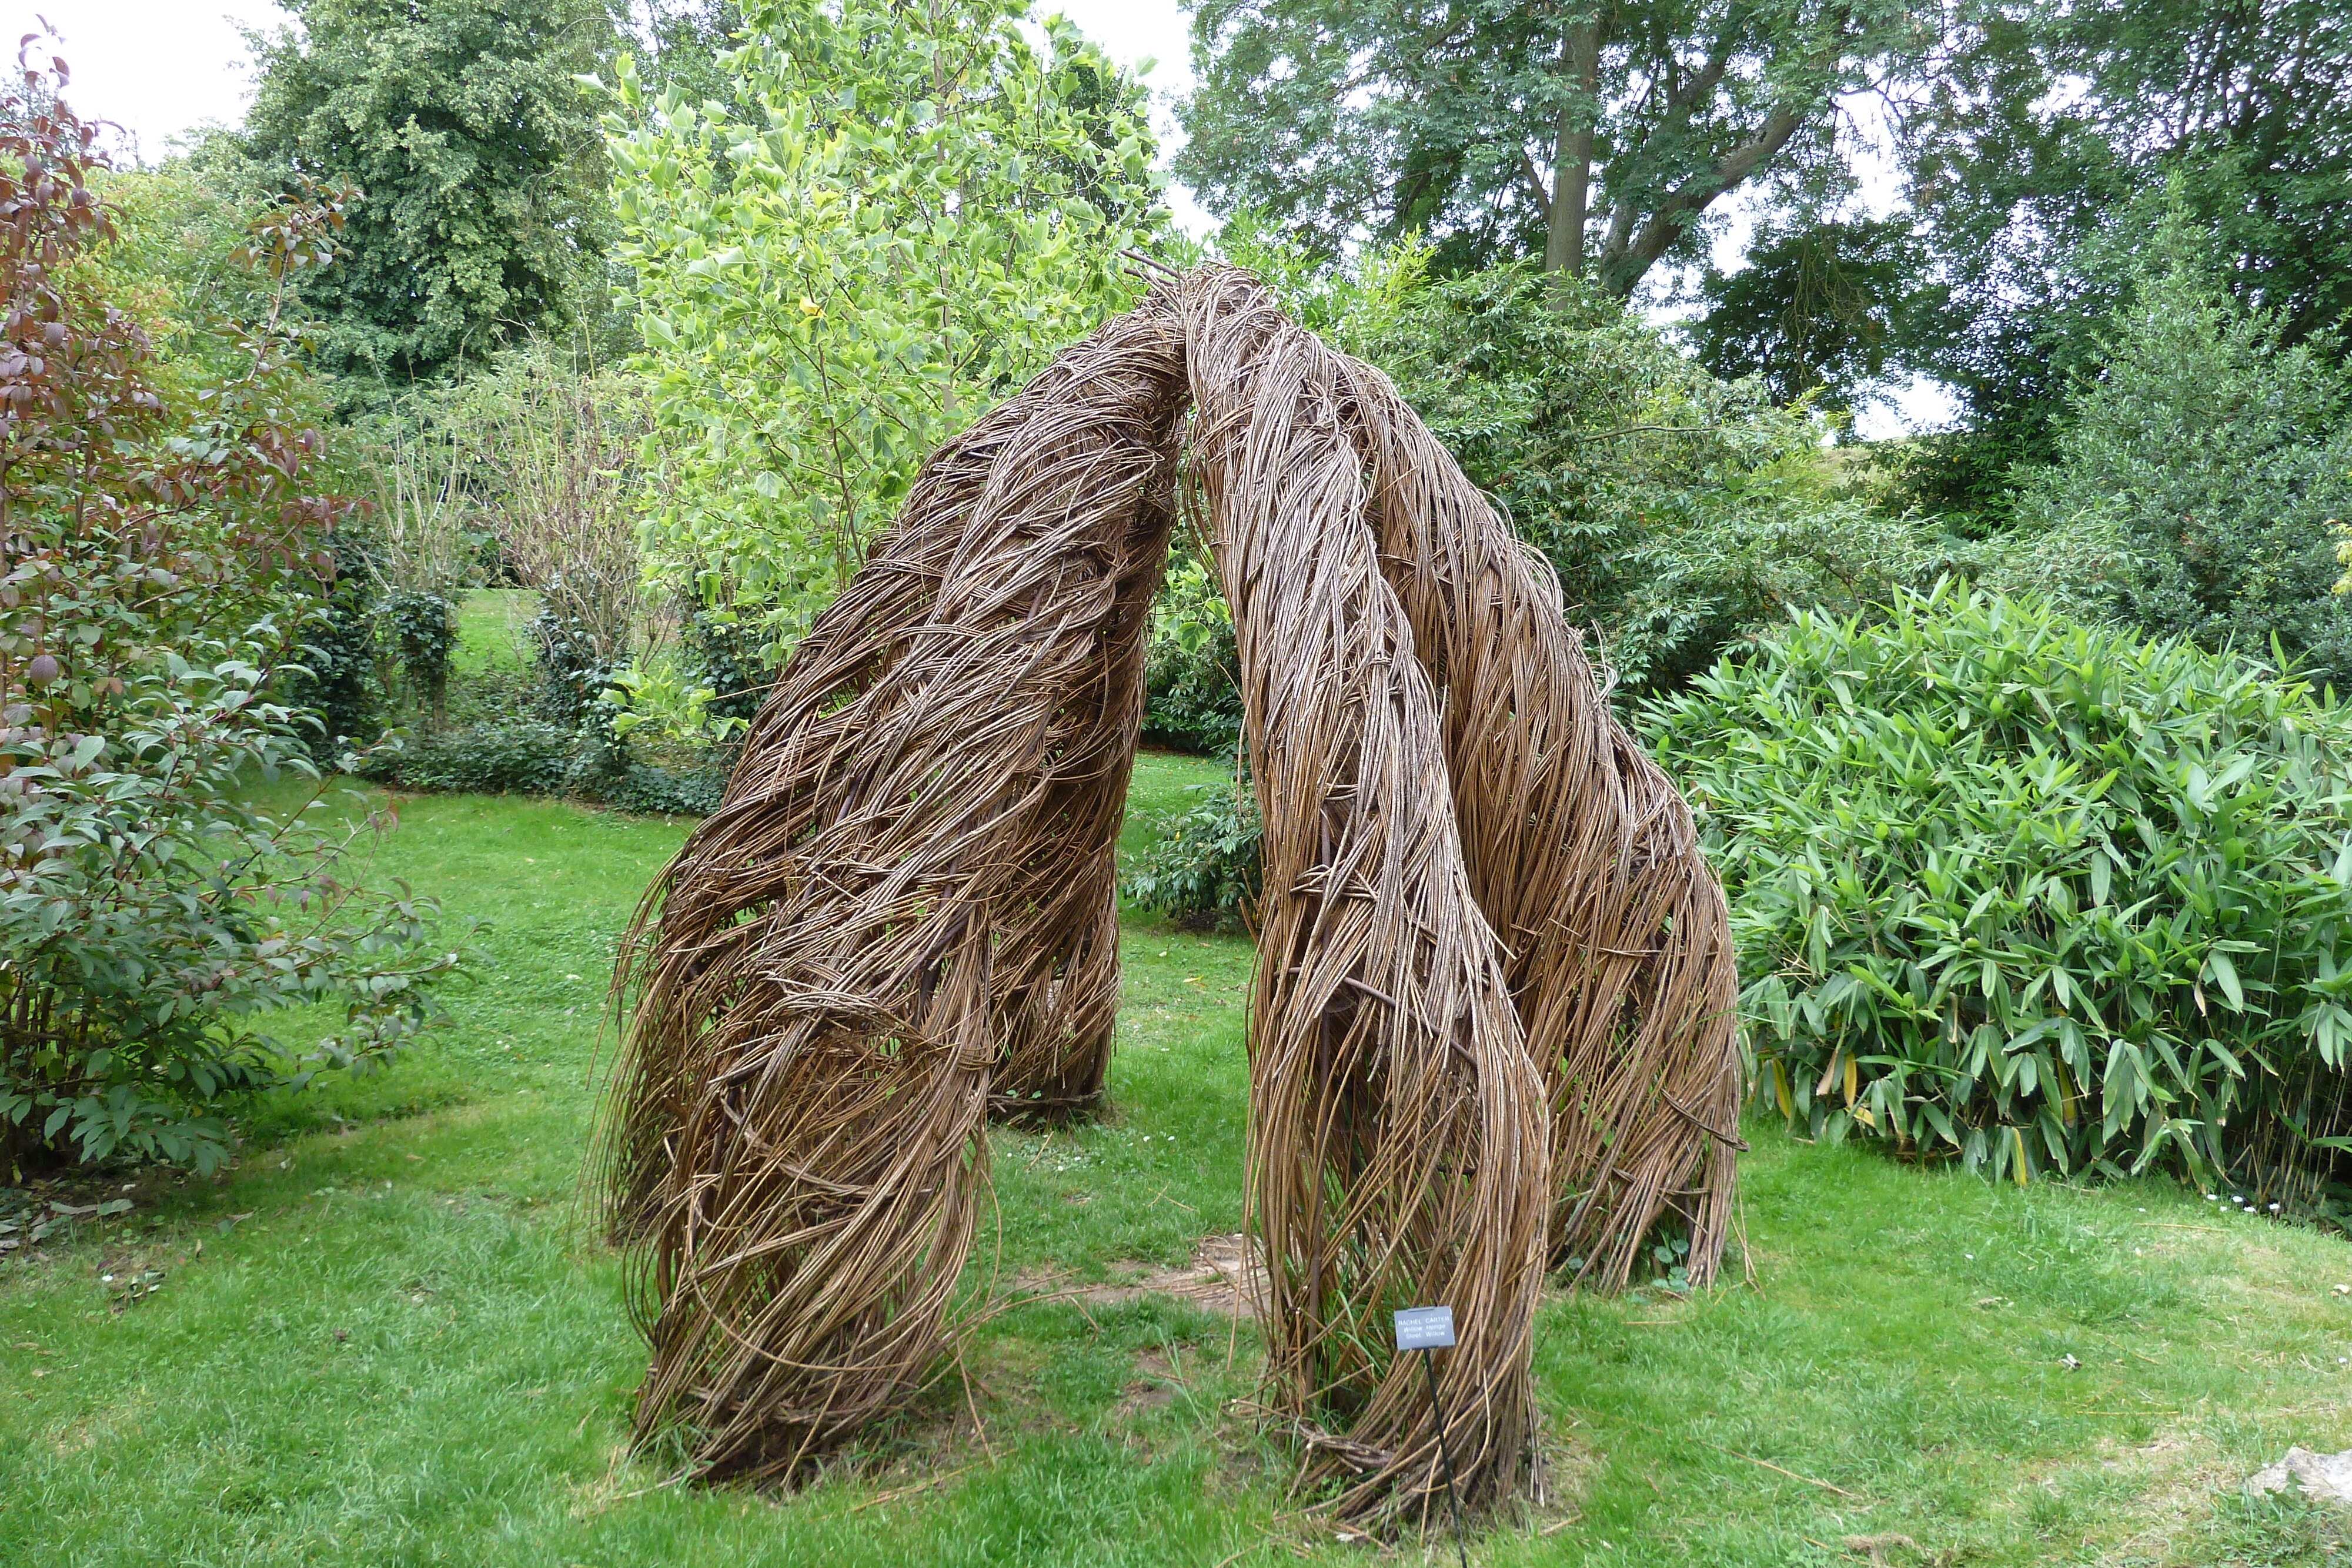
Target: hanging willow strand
1585, 861
1398, 1150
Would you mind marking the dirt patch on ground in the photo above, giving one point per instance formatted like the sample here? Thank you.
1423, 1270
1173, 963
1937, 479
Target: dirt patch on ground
1225, 1276
1153, 1387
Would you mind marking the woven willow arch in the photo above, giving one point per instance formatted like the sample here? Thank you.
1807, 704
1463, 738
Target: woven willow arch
1492, 1014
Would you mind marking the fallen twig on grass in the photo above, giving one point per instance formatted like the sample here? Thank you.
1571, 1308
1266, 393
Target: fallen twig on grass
928, 1482
1769, 1465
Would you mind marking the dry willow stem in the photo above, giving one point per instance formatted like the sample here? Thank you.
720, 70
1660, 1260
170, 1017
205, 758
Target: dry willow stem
911, 870
905, 908
1397, 1143
1584, 860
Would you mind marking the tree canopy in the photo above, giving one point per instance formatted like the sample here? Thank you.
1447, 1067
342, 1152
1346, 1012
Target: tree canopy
2041, 144
2043, 123
2199, 476
1597, 136
895, 215
1819, 307
480, 170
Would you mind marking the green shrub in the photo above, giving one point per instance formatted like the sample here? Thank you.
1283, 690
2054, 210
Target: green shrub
529, 757
2039, 895
574, 673
2197, 477
1201, 869
653, 791
166, 553
722, 657
1192, 698
335, 688
525, 757
425, 556
826, 292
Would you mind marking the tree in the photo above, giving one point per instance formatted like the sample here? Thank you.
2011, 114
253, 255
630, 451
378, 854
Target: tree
684, 44
164, 546
1819, 307
1595, 135
899, 215
480, 172
2043, 140
2198, 474
2042, 120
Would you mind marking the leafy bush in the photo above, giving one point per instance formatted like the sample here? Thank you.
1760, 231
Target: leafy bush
529, 757
162, 556
424, 559
654, 791
1191, 695
525, 757
837, 270
573, 674
1202, 867
335, 691
2039, 895
422, 631
722, 657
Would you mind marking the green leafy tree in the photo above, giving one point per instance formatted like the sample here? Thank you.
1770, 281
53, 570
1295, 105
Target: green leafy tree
2041, 121
1595, 136
898, 214
480, 171
2042, 140
1818, 308
2197, 476
686, 43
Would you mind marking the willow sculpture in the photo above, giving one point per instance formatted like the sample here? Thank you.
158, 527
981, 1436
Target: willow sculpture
1584, 860
1491, 1015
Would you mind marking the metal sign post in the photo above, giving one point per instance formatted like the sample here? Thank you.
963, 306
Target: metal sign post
1430, 1330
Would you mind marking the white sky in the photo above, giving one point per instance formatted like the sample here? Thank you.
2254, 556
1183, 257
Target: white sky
159, 68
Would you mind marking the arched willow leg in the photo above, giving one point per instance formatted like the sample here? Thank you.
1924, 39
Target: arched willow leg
1397, 1146
1058, 966
1583, 858
821, 977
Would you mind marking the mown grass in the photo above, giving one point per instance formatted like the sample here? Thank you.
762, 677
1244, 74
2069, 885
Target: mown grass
384, 1337
490, 622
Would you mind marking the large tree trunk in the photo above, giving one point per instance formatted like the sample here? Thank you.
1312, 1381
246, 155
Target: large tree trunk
1571, 177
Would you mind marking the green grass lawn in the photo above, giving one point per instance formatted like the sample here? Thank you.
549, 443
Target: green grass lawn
385, 1336
491, 638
